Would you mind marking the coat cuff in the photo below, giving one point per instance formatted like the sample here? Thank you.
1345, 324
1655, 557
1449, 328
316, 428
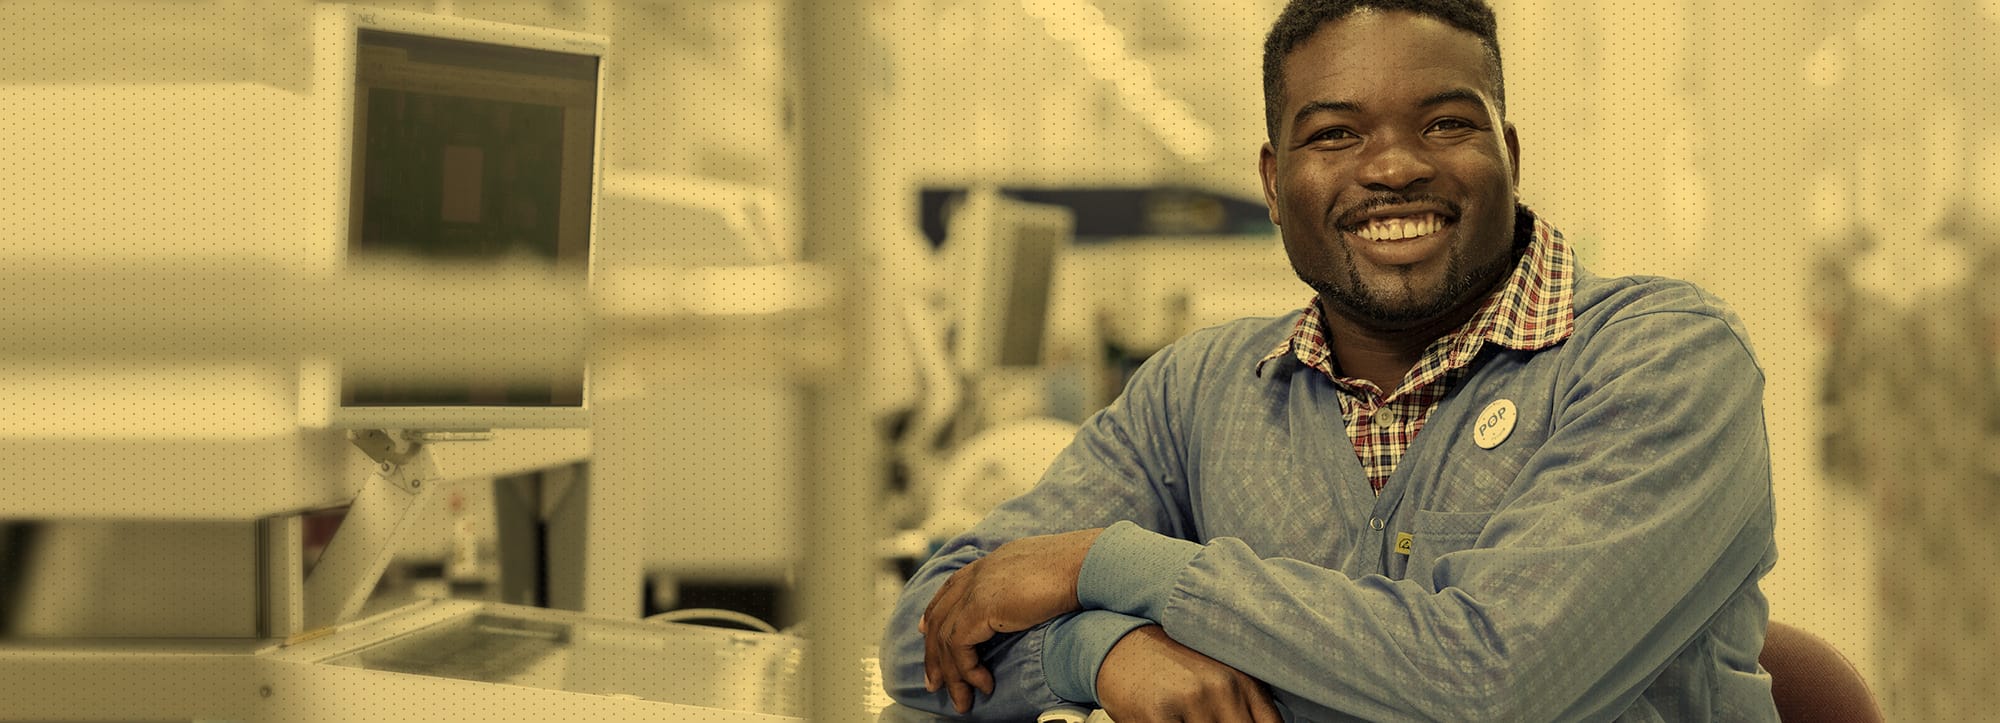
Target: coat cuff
1131, 570
1075, 647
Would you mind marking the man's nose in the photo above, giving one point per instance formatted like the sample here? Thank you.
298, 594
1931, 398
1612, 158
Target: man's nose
1394, 164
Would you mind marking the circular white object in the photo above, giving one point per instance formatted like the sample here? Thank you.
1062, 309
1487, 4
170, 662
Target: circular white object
1385, 416
1495, 422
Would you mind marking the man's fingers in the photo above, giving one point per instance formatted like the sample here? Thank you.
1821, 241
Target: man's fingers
938, 662
936, 618
952, 630
1262, 708
961, 644
955, 668
1222, 709
981, 678
966, 660
931, 608
1235, 699
930, 669
954, 664
961, 698
933, 667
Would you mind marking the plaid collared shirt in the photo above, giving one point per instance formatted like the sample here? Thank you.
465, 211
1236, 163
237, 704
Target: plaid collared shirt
1533, 310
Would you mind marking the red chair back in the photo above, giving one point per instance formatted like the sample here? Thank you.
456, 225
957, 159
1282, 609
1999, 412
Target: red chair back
1812, 681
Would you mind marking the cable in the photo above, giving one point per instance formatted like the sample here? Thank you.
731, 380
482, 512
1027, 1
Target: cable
690, 614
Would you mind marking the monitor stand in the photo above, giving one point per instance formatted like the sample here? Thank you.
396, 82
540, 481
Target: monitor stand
406, 476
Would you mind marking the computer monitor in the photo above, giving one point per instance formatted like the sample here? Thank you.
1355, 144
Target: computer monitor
467, 146
1005, 254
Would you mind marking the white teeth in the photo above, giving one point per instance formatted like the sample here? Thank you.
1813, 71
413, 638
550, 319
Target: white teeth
1396, 229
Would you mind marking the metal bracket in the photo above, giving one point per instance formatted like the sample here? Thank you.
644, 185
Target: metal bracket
388, 446
382, 446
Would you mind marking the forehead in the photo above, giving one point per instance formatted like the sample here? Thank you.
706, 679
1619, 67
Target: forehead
1374, 58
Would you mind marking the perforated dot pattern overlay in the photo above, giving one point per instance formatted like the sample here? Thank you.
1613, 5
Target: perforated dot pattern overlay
169, 219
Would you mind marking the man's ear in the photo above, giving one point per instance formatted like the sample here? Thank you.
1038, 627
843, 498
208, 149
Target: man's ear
1267, 167
1514, 152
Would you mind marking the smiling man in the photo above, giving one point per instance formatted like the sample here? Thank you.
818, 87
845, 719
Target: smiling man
1470, 481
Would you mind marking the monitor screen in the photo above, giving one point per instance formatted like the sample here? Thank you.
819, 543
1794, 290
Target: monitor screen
468, 150
1035, 243
474, 145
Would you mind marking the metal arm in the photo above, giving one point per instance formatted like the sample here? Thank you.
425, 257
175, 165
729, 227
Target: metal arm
406, 475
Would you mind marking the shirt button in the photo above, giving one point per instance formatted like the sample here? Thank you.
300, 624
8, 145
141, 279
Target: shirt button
1376, 523
1385, 416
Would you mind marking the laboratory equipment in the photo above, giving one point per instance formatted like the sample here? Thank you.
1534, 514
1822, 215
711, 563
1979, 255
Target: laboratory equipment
1003, 256
472, 144
451, 659
168, 508
988, 392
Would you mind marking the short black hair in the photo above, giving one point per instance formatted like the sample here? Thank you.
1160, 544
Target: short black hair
1302, 18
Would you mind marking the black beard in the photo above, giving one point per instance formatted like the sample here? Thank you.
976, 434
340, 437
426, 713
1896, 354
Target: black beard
1461, 284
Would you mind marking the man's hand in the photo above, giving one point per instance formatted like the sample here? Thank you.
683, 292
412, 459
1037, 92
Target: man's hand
1150, 677
1023, 584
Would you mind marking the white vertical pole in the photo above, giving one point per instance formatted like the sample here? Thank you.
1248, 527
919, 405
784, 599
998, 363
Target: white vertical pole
846, 451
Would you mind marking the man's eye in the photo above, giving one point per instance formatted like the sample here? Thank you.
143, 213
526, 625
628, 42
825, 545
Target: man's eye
1452, 125
1333, 134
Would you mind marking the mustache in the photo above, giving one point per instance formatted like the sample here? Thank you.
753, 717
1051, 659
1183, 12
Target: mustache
1354, 214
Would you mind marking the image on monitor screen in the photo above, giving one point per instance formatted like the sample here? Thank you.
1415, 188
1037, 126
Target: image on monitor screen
468, 150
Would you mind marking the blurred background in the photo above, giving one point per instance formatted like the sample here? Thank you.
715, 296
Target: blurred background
1041, 194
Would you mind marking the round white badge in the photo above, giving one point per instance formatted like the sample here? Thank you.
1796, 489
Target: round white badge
1494, 424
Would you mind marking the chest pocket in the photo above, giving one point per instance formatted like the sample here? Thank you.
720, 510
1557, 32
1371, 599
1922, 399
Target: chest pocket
1436, 534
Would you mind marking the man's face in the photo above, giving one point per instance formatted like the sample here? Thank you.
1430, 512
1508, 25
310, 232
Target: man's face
1392, 176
